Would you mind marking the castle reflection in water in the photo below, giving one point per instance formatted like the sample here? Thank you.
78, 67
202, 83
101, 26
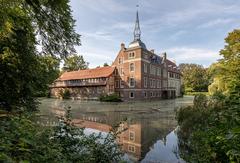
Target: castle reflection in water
143, 128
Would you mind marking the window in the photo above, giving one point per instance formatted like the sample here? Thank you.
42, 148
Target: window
122, 84
153, 83
131, 95
132, 82
152, 70
145, 82
151, 94
145, 94
117, 84
121, 71
158, 83
159, 71
131, 135
150, 81
131, 67
131, 55
131, 148
145, 68
120, 60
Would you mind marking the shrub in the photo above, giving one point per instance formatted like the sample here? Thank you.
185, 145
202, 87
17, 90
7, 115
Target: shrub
64, 93
23, 140
110, 98
209, 130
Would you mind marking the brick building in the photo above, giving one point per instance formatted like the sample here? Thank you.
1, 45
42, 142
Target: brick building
85, 84
143, 74
136, 73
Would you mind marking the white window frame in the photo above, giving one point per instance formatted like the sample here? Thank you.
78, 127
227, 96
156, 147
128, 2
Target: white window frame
131, 53
132, 63
121, 84
145, 67
145, 82
131, 86
131, 132
130, 95
145, 94
131, 148
154, 83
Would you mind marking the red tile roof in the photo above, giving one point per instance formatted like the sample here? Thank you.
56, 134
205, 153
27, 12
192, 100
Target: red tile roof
88, 73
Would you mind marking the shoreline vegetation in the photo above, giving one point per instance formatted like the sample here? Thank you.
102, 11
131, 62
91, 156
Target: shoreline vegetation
210, 129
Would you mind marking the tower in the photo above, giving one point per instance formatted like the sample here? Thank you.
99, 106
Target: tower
137, 34
137, 30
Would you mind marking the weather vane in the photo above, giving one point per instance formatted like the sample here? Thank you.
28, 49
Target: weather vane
137, 4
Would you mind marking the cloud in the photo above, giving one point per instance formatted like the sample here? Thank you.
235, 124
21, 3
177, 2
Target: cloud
177, 35
98, 35
217, 22
101, 6
193, 55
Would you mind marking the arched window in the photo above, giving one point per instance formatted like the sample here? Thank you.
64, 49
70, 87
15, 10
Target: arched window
131, 67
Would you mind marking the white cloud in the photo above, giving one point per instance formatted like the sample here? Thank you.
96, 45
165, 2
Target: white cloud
193, 55
217, 22
102, 6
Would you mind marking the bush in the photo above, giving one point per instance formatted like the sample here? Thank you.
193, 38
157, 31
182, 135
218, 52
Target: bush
110, 98
209, 130
23, 140
64, 93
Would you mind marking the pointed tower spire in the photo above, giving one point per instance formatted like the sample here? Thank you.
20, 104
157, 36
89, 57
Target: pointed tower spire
137, 31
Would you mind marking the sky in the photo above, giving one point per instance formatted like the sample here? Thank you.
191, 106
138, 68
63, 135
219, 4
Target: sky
189, 31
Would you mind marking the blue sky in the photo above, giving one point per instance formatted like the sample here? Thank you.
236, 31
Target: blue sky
190, 31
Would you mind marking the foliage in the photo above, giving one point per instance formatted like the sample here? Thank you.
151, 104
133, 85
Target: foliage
195, 77
196, 93
79, 147
210, 129
74, 63
209, 133
110, 98
23, 140
226, 71
22, 21
64, 93
48, 71
105, 64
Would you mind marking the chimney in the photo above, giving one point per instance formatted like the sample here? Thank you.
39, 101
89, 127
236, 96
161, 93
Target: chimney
122, 46
152, 50
164, 56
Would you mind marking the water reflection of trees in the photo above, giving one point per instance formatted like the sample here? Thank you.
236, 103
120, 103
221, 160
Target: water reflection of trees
139, 130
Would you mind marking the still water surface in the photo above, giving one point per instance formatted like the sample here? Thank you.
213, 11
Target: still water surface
151, 125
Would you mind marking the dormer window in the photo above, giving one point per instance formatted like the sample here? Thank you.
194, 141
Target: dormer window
131, 55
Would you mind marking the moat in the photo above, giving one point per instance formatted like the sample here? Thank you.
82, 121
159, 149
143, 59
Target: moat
151, 125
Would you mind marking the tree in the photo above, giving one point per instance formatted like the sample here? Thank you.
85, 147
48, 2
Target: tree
74, 63
21, 21
226, 72
209, 130
105, 64
195, 77
48, 71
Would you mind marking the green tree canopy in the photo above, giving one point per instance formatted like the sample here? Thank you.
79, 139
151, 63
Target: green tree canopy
195, 77
226, 72
105, 64
74, 63
25, 24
